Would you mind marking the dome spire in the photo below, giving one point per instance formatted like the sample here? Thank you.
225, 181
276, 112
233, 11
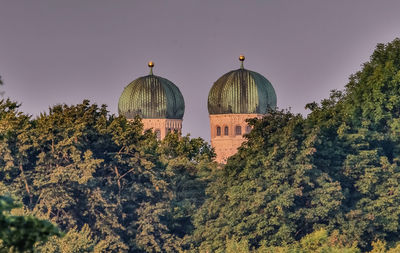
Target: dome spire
151, 65
241, 59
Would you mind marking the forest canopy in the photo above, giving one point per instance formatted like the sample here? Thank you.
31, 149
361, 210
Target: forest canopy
328, 182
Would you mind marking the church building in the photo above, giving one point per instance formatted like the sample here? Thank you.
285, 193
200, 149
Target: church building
236, 96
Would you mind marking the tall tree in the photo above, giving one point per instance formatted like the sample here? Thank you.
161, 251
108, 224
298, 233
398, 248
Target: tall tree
338, 168
78, 166
15, 148
21, 233
370, 123
269, 193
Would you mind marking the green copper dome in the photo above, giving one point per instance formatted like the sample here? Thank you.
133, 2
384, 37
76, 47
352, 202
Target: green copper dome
151, 97
241, 91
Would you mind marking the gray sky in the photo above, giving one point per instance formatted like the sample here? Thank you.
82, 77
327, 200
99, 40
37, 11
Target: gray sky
54, 51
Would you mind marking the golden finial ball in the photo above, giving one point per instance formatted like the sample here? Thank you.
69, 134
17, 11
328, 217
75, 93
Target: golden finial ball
241, 57
150, 64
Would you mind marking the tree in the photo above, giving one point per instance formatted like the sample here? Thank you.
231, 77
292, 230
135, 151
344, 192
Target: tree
318, 241
20, 233
74, 241
269, 193
15, 146
337, 169
369, 126
78, 166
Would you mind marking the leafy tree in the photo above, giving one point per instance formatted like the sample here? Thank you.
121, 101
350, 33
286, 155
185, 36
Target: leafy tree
269, 193
73, 241
318, 241
370, 175
337, 169
15, 146
78, 166
187, 165
20, 233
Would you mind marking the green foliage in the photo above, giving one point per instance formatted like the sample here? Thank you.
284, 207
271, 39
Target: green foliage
381, 247
325, 183
113, 187
318, 241
72, 242
368, 122
269, 193
337, 169
20, 233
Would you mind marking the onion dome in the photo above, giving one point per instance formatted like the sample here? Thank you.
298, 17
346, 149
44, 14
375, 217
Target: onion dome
151, 96
241, 91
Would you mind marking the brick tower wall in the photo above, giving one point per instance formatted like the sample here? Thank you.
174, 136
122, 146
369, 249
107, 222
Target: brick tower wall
162, 125
227, 142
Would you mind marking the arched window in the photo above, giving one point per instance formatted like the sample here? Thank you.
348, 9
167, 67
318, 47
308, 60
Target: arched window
158, 134
226, 131
248, 129
238, 130
218, 131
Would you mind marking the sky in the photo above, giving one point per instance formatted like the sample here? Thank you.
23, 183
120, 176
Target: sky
54, 51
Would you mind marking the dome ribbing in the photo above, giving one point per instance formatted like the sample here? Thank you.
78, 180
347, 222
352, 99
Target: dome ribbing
241, 91
151, 97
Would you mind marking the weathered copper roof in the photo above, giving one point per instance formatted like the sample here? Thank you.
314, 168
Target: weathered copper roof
241, 91
151, 97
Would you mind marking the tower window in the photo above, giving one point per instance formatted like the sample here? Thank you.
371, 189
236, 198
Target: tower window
218, 131
238, 130
248, 129
158, 134
226, 131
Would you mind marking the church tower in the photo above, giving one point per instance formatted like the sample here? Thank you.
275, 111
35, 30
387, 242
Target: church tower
156, 100
236, 96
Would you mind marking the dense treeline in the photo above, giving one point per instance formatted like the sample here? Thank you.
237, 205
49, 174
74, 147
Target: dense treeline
329, 182
338, 169
98, 176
